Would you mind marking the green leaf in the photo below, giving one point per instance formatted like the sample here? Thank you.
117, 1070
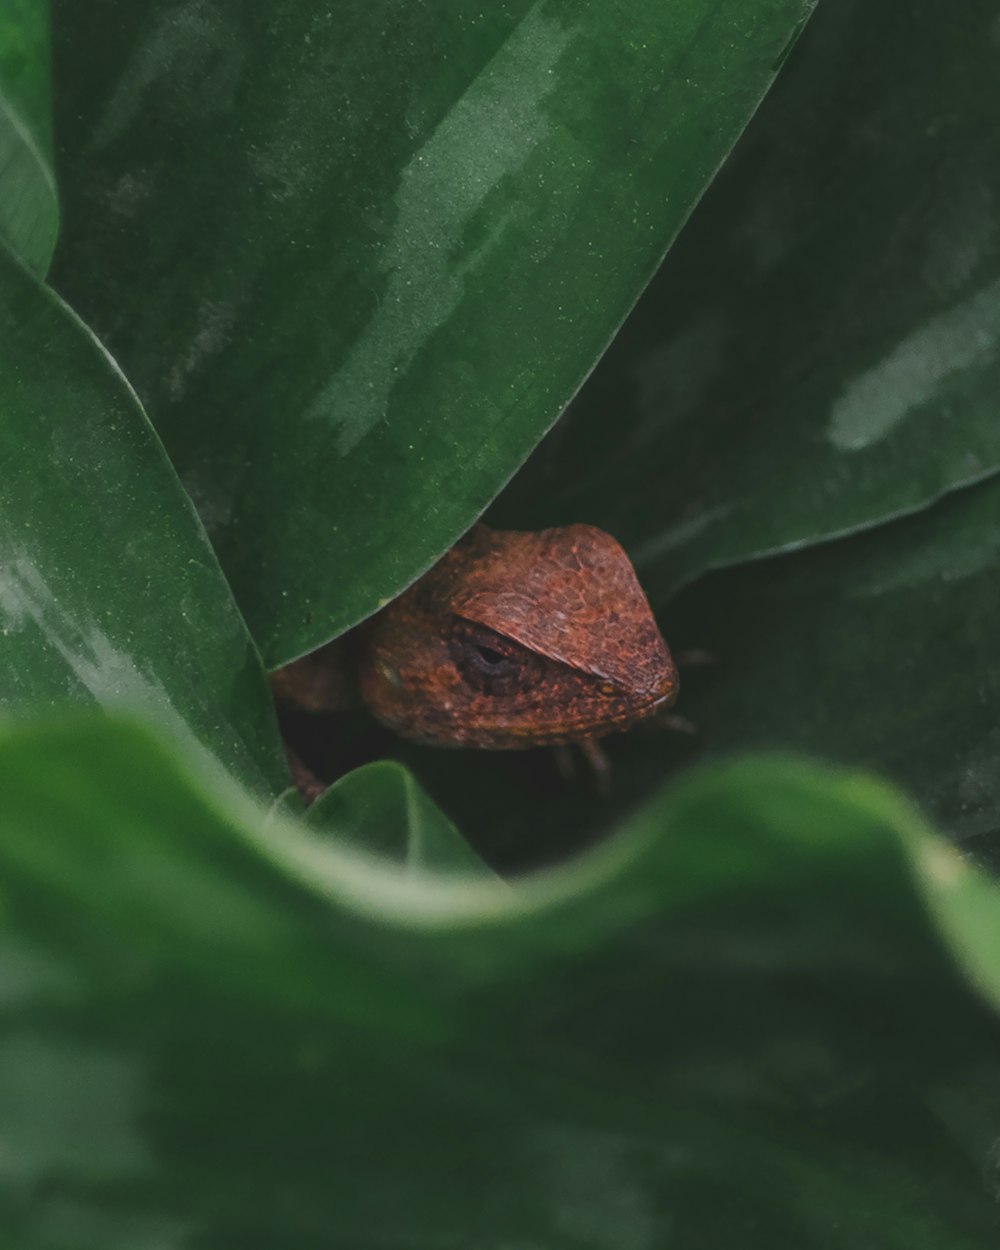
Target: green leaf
381, 808
109, 589
737, 1024
29, 207
821, 350
356, 260
880, 651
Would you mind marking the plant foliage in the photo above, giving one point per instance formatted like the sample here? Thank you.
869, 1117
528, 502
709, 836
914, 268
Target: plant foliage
323, 278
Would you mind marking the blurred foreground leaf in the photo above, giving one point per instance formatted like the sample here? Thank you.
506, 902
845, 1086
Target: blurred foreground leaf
736, 1024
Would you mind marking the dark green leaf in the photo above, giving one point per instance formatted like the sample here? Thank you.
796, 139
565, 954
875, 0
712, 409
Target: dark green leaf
382, 809
881, 651
29, 208
821, 350
736, 1025
109, 589
741, 1022
356, 259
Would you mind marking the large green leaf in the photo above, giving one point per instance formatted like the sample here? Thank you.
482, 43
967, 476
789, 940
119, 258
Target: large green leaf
109, 589
357, 258
29, 208
821, 349
881, 651
736, 1025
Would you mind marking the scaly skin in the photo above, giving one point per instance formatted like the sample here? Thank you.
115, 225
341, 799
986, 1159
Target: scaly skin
519, 640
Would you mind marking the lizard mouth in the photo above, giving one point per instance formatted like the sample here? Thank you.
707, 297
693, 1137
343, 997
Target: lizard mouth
666, 695
642, 710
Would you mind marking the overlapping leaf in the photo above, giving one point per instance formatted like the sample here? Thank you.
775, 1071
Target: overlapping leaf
821, 350
109, 590
356, 260
880, 651
738, 1024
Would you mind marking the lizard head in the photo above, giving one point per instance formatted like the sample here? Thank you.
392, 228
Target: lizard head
519, 639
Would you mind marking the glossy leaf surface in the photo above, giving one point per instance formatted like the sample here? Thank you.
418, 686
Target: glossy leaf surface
694, 1035
821, 349
29, 207
109, 590
880, 651
737, 1025
356, 260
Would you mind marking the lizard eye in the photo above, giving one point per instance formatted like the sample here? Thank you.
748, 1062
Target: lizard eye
486, 660
491, 660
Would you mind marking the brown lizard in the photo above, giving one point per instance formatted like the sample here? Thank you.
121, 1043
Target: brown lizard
511, 640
